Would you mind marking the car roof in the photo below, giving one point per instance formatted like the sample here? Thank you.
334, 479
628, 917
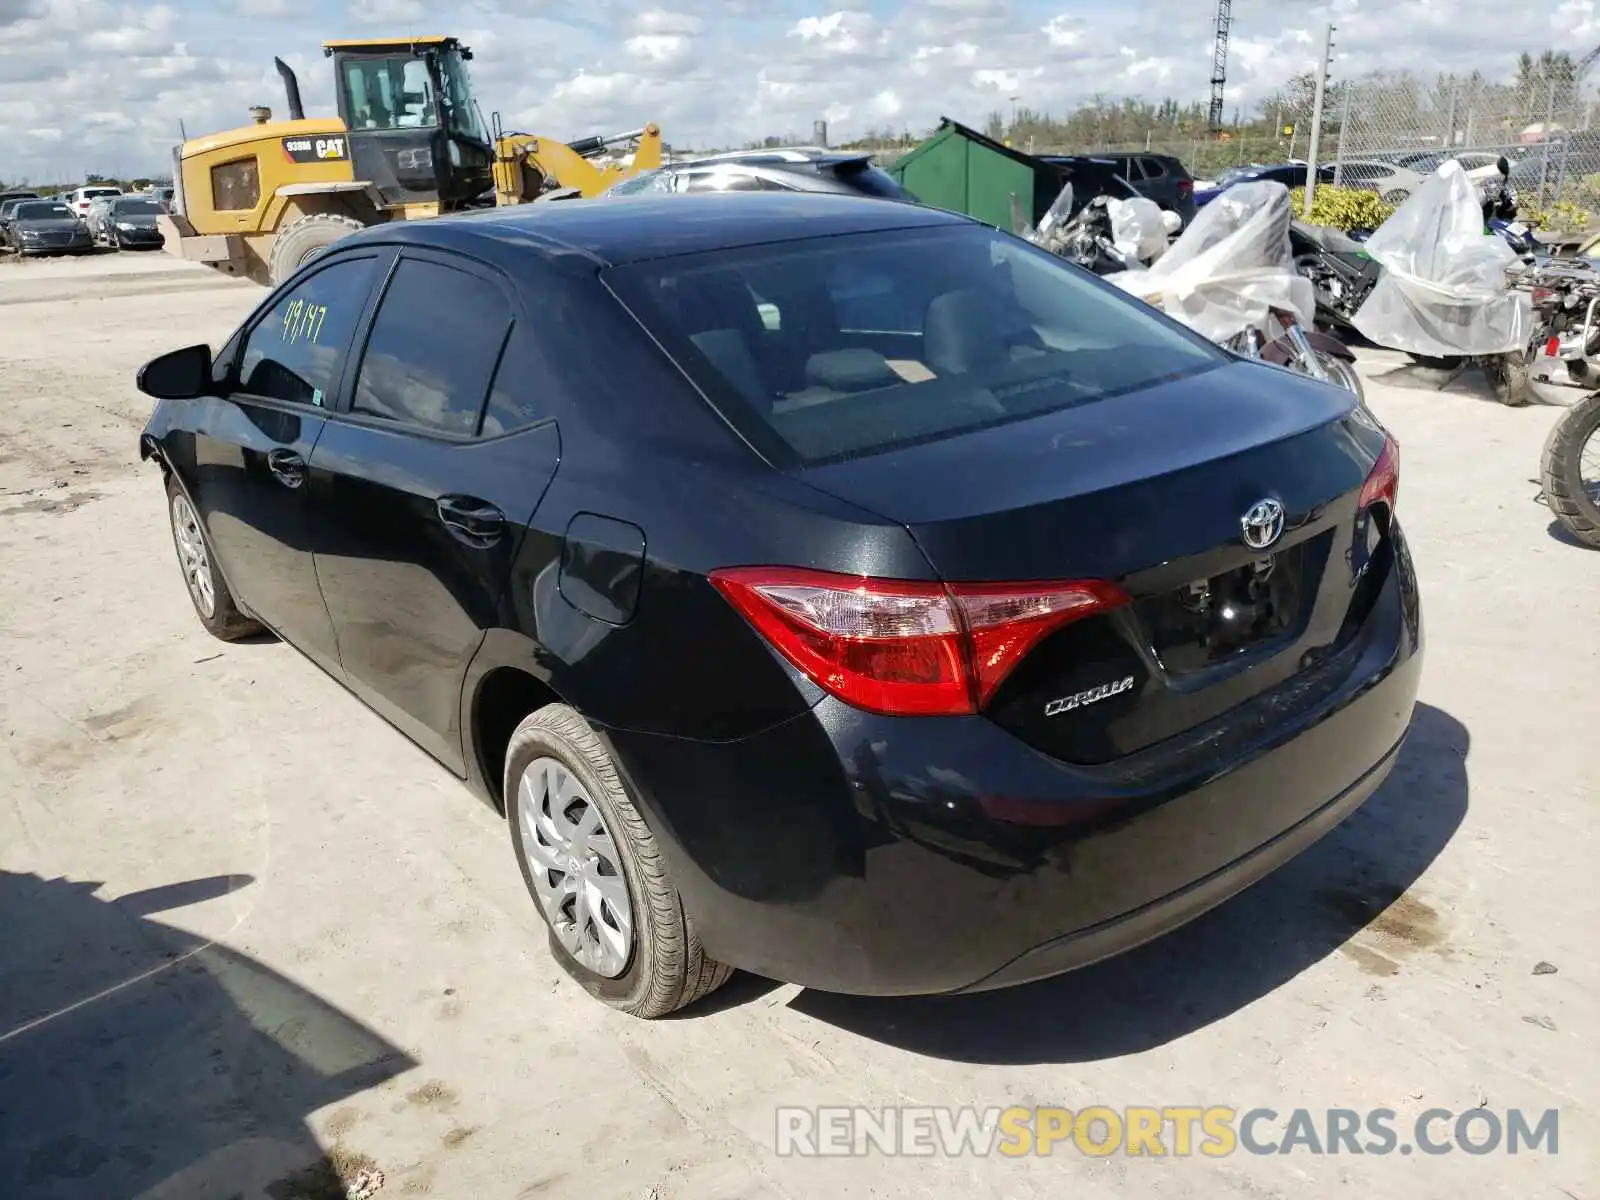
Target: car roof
652, 226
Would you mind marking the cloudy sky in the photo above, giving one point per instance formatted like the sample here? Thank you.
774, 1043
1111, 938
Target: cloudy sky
97, 85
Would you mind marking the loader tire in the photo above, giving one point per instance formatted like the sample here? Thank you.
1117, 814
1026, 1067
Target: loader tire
303, 239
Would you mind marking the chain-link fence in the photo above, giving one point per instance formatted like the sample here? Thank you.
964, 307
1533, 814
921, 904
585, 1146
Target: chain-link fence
1382, 131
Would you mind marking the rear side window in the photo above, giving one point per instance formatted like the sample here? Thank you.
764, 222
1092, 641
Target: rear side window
294, 353
1152, 168
433, 349
834, 348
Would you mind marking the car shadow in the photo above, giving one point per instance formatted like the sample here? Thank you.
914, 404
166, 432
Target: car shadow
1360, 874
138, 1060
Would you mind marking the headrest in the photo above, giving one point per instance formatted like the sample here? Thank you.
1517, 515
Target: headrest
855, 370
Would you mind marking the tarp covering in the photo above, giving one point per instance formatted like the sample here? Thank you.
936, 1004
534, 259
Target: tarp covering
1443, 291
1230, 267
1136, 229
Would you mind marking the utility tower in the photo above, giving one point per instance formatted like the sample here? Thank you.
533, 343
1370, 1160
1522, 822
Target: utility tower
1219, 63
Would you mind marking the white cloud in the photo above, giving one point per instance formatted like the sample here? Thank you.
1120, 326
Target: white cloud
378, 12
113, 78
1063, 31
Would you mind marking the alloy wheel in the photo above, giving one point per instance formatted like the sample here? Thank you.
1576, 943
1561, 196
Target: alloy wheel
192, 556
576, 869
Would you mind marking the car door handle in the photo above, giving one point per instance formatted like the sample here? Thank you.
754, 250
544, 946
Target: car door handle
471, 521
288, 466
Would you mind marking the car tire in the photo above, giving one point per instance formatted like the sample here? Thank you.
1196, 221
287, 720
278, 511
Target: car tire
1561, 473
564, 798
208, 592
303, 239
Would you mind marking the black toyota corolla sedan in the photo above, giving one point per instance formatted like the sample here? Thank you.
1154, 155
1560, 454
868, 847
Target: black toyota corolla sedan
843, 591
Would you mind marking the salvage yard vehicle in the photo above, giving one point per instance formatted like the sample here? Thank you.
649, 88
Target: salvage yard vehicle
1569, 469
798, 169
79, 199
409, 143
969, 623
47, 227
130, 222
1159, 177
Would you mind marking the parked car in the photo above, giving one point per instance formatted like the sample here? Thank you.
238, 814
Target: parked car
79, 199
1091, 177
8, 206
1159, 177
95, 218
1291, 175
787, 170
1392, 183
47, 227
130, 221
743, 626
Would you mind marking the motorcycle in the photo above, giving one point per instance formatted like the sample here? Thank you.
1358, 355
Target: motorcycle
1339, 268
1104, 236
1446, 295
1569, 469
1498, 201
1565, 295
1231, 276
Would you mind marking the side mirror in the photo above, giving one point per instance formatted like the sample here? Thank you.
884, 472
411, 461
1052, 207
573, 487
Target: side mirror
178, 375
1171, 222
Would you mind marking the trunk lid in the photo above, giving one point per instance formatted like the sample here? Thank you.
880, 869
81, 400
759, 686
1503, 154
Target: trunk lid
1149, 490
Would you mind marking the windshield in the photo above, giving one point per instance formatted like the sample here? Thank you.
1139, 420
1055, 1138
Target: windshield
389, 93
650, 181
40, 212
832, 349
135, 208
461, 110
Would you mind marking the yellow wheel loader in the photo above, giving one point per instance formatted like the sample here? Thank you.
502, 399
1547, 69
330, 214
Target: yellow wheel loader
409, 143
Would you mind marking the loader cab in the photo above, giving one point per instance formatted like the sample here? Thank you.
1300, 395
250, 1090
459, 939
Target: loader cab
415, 129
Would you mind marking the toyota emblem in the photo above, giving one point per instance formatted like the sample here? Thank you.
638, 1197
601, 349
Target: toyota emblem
1262, 524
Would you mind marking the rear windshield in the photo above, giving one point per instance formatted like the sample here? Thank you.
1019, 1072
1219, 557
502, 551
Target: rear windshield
91, 193
35, 212
136, 207
828, 349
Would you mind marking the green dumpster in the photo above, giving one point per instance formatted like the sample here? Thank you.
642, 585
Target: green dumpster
960, 169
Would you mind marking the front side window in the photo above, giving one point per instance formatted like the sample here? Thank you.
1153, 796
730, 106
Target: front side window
389, 93
461, 110
433, 349
294, 352
888, 338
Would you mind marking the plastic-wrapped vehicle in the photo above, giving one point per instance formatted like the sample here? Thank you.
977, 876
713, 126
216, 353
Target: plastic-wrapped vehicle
1104, 236
1444, 296
1232, 278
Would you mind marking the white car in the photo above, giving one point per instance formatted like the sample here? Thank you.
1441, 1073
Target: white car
79, 199
1393, 184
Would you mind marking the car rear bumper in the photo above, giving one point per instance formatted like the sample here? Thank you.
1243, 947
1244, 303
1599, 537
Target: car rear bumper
892, 856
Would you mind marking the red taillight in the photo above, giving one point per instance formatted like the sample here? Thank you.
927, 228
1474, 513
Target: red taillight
1185, 186
1383, 481
1553, 346
905, 647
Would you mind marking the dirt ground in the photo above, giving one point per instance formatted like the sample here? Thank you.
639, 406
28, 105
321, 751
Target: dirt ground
252, 944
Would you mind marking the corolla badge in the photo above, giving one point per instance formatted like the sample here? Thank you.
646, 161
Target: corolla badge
1262, 524
1088, 696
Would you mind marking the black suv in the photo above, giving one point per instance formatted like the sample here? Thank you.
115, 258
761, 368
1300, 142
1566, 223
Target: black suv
787, 170
1159, 177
